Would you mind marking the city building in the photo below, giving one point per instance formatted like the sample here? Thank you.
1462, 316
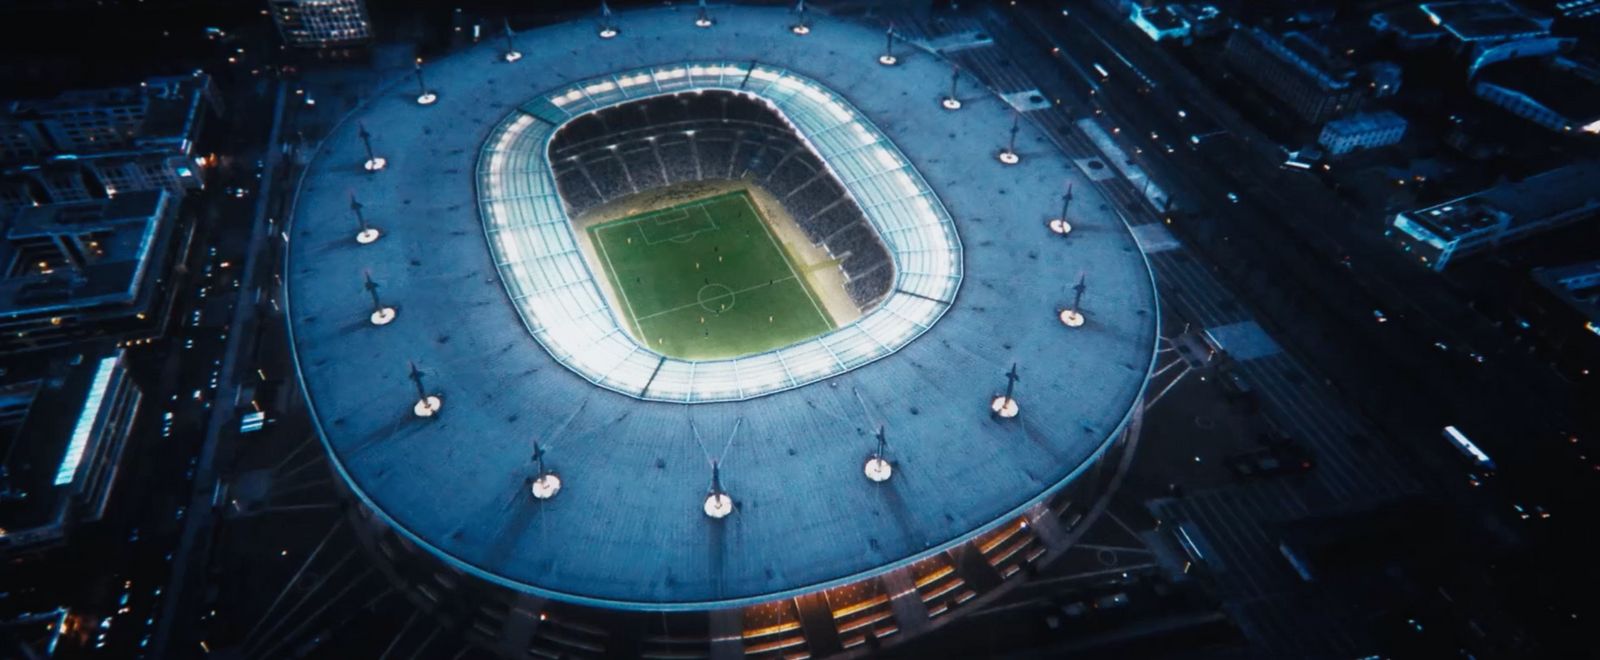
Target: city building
64, 423
95, 269
1563, 312
1364, 131
1177, 21
1560, 94
1506, 212
1489, 31
92, 144
1161, 22
1303, 74
321, 23
1408, 26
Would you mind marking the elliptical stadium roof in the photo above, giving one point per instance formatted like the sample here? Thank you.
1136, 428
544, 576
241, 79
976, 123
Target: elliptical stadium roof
627, 529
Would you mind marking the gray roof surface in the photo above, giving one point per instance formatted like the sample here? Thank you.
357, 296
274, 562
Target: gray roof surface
627, 528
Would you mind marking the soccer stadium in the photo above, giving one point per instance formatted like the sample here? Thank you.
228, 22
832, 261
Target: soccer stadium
721, 335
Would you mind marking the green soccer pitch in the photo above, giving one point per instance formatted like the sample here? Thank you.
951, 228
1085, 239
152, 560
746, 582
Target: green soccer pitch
707, 280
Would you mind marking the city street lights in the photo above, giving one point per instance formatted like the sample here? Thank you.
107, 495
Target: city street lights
608, 28
1060, 225
703, 18
951, 102
546, 484
1005, 406
427, 405
374, 163
381, 315
1009, 155
512, 54
888, 58
878, 468
368, 233
1072, 317
718, 504
801, 26
424, 96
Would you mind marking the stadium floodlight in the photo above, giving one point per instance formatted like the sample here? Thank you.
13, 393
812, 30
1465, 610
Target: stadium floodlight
801, 26
381, 315
367, 233
1005, 406
952, 102
546, 484
1059, 224
718, 503
1072, 317
878, 468
888, 58
1009, 155
374, 163
512, 54
424, 95
427, 405
703, 19
608, 27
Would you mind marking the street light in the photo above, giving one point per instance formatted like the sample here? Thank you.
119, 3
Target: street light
424, 95
1072, 317
888, 58
427, 405
878, 468
381, 315
368, 233
951, 102
374, 163
1005, 406
1060, 225
1009, 155
704, 17
608, 29
800, 27
718, 504
512, 54
547, 483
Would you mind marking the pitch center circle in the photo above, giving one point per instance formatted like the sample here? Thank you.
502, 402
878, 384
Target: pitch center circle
715, 298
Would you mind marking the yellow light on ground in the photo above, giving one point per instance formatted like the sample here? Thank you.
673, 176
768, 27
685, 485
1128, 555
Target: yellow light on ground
546, 486
718, 505
382, 316
1071, 318
1005, 407
368, 235
1009, 157
878, 470
427, 406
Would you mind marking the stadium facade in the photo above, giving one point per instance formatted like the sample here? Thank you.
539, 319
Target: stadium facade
515, 345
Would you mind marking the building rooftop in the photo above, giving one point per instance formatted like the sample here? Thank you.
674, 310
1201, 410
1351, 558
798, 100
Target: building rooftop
80, 254
1486, 20
1330, 70
1576, 284
1565, 86
627, 529
161, 114
1535, 199
41, 407
1366, 122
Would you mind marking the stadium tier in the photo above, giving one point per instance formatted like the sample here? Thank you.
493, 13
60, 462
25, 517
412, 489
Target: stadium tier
719, 507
